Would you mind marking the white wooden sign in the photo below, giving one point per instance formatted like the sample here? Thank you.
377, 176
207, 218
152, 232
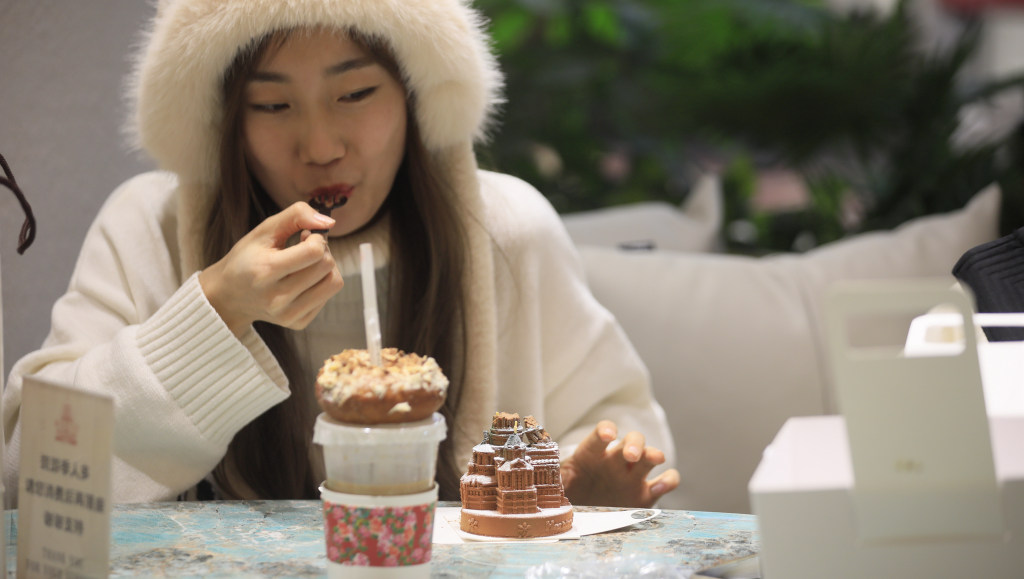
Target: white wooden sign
3, 444
64, 482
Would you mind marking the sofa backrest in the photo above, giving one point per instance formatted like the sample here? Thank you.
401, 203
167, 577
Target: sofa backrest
735, 344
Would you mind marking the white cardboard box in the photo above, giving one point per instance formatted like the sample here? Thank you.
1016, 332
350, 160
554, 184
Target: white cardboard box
801, 494
1002, 363
915, 479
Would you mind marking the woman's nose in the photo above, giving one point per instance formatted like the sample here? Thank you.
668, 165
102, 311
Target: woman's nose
321, 144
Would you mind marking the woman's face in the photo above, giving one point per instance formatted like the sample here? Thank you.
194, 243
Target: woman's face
320, 115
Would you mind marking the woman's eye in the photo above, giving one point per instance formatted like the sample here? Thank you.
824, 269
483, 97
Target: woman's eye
268, 107
357, 95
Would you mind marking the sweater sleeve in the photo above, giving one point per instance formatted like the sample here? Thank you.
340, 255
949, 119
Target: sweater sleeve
585, 368
182, 383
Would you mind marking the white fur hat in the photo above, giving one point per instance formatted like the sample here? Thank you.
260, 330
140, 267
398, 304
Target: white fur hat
446, 62
440, 46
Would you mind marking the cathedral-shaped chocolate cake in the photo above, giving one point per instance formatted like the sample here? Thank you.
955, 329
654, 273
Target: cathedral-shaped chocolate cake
513, 487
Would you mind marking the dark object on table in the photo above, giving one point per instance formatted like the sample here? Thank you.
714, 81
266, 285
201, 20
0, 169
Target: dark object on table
994, 271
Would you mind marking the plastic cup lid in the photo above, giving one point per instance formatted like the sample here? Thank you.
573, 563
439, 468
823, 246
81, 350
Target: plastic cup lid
427, 496
328, 432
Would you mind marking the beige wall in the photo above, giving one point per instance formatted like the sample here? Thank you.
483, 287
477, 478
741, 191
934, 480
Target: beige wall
62, 64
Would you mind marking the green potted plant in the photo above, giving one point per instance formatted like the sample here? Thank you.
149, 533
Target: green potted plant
614, 101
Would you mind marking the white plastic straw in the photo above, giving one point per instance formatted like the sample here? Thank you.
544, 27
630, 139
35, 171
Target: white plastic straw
370, 315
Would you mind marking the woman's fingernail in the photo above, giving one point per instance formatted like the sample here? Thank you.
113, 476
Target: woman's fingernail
607, 433
658, 489
632, 453
324, 219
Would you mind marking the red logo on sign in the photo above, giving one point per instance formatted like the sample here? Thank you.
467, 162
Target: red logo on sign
67, 430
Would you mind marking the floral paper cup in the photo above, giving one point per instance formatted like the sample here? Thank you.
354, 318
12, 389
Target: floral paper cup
378, 535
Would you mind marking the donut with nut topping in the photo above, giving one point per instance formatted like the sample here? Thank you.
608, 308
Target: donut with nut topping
404, 388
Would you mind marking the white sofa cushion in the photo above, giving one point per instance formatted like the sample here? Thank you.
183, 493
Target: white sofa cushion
694, 227
735, 344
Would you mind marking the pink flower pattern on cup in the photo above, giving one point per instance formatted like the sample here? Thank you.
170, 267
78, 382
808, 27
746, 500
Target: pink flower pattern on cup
379, 536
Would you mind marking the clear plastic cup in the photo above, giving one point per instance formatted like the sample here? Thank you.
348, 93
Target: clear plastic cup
385, 459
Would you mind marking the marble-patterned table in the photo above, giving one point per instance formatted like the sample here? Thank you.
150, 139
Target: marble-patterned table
286, 538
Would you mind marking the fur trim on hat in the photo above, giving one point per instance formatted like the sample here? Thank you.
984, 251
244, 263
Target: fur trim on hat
440, 46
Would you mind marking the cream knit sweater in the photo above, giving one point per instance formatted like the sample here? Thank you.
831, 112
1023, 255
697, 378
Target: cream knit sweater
183, 385
135, 324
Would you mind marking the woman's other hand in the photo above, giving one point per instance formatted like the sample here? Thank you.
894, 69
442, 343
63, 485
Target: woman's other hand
262, 278
608, 472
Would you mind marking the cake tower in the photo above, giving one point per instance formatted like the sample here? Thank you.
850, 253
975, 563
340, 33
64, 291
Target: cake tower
513, 486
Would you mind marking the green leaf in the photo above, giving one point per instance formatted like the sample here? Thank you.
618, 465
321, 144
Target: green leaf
602, 24
558, 32
510, 29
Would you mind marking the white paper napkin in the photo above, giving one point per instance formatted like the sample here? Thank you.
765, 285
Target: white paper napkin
447, 531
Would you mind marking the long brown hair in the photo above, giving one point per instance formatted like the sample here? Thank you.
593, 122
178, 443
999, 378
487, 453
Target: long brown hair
426, 307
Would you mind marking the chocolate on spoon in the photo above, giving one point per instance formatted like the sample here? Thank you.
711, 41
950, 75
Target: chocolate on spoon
324, 205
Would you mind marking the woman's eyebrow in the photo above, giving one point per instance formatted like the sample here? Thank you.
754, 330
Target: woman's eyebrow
343, 67
334, 70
